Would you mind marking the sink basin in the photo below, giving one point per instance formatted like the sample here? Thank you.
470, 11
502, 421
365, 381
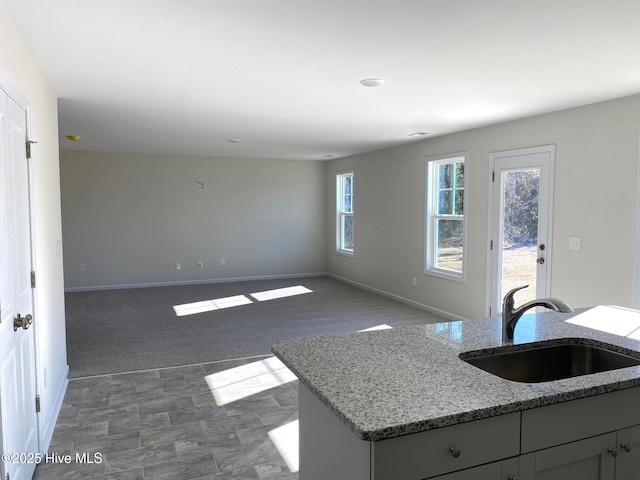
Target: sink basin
551, 360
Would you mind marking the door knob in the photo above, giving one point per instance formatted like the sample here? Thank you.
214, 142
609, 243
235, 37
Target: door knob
24, 322
626, 447
540, 261
613, 452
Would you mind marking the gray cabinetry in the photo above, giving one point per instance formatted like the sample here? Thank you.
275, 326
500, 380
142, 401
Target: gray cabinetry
628, 459
591, 438
434, 452
586, 459
474, 450
595, 438
504, 470
611, 456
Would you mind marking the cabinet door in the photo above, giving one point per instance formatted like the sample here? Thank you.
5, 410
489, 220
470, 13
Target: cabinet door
587, 459
504, 470
431, 453
628, 460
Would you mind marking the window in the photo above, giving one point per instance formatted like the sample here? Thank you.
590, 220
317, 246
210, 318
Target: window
344, 188
445, 216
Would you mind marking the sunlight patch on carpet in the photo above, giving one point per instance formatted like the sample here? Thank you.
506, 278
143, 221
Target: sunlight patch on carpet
238, 300
246, 380
382, 326
280, 293
211, 305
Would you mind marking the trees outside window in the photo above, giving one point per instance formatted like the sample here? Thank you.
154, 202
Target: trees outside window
344, 202
445, 220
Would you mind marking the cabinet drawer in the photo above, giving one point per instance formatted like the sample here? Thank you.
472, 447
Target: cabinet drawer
426, 454
566, 422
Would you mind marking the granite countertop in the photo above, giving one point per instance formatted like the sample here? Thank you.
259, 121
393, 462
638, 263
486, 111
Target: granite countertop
387, 383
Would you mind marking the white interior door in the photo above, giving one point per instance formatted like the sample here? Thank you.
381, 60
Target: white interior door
17, 344
521, 230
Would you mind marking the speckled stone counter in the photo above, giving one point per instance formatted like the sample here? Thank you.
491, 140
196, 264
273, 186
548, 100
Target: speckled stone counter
393, 382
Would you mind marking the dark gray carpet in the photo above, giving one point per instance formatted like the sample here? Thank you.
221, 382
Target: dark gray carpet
113, 331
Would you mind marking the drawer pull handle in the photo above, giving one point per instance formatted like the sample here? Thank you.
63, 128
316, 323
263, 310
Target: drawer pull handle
455, 451
627, 448
613, 452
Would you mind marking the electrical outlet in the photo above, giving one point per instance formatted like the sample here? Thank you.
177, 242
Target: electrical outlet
223, 262
178, 266
415, 282
574, 243
81, 267
200, 265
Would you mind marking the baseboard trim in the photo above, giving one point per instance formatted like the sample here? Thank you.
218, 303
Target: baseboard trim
47, 430
398, 298
193, 282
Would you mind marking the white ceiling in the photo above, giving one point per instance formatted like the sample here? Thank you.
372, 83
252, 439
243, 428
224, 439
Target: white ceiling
184, 76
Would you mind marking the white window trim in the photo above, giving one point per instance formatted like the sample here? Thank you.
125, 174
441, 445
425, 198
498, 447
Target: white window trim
429, 230
340, 213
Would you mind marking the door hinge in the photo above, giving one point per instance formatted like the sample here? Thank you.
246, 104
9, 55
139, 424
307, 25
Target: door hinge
490, 244
37, 403
28, 145
33, 279
493, 176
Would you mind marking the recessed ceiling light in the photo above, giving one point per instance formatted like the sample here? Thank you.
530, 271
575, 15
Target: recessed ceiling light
419, 134
73, 138
372, 82
234, 140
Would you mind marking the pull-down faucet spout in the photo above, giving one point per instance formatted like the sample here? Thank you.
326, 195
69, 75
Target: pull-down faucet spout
510, 316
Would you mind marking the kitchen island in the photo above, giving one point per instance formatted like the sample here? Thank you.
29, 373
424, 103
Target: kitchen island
400, 403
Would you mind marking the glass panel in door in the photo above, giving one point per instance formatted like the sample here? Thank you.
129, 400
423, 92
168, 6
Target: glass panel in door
520, 208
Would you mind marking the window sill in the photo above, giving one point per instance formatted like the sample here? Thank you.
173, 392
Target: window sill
447, 275
344, 253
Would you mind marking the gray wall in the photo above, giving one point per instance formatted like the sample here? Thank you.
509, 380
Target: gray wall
596, 175
130, 218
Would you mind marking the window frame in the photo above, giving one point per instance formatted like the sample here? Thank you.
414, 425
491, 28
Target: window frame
432, 216
342, 213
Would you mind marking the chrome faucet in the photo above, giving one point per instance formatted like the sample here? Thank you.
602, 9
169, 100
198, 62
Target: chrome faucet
510, 316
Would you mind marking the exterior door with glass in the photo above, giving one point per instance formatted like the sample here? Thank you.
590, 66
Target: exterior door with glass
522, 186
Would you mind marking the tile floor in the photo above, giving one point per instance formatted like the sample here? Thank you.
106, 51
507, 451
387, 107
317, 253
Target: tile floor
207, 422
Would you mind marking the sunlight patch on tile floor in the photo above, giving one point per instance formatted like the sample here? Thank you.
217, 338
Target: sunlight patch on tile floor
211, 305
244, 381
280, 293
624, 322
286, 440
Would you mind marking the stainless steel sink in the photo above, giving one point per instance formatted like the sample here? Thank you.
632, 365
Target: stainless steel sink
551, 360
